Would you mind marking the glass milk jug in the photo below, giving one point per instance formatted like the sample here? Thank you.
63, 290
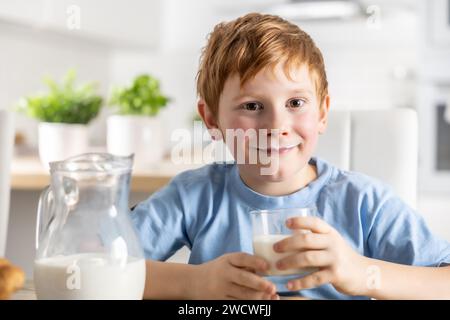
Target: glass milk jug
86, 245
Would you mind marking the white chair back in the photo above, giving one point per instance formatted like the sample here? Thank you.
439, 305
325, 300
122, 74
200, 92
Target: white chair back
380, 143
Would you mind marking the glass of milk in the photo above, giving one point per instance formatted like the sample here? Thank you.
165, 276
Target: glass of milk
269, 227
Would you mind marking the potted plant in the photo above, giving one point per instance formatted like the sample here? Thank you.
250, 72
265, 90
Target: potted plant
134, 129
64, 111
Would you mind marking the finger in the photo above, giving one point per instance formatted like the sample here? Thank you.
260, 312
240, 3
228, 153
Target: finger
244, 293
252, 281
313, 224
312, 280
245, 260
318, 258
303, 241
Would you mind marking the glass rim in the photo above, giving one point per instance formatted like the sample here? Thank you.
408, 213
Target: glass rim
93, 162
274, 211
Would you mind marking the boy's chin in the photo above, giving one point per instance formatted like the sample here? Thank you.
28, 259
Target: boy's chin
275, 174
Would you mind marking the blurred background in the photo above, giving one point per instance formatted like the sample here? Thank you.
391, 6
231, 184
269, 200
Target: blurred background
378, 54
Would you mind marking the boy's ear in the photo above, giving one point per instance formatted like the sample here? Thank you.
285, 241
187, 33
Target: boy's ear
206, 115
323, 114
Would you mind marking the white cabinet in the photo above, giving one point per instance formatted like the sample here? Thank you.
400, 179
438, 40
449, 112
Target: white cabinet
120, 23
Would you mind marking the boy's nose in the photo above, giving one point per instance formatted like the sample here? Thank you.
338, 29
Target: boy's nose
277, 131
277, 124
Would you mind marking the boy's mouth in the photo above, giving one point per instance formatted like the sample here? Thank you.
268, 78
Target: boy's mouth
281, 150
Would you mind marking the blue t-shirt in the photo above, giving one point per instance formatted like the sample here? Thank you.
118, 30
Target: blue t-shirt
207, 210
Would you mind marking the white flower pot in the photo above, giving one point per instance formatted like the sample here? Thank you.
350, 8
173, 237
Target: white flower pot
59, 141
138, 135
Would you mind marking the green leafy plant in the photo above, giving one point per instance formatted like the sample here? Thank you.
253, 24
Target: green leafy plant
142, 97
65, 103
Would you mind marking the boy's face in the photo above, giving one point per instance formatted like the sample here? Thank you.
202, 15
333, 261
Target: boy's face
273, 101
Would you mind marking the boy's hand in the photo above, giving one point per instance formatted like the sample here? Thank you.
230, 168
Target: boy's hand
232, 276
325, 249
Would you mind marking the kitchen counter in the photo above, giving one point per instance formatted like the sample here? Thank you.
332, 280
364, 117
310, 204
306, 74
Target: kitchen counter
27, 173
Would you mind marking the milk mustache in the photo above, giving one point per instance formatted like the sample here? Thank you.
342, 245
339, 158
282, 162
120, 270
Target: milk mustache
263, 247
89, 276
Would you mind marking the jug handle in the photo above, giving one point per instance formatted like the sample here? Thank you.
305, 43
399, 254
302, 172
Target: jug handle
44, 213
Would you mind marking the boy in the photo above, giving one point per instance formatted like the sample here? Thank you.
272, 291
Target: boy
260, 72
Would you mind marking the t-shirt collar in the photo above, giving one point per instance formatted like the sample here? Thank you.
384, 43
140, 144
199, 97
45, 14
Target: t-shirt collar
302, 198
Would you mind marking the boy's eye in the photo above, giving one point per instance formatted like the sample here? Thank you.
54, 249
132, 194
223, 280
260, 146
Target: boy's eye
252, 106
296, 103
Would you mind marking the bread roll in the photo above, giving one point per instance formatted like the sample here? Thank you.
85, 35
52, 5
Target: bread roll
12, 278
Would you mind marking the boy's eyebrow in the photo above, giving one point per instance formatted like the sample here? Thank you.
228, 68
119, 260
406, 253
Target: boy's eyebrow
303, 90
240, 96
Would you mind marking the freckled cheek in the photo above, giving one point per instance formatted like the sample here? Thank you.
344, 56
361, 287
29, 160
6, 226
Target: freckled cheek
307, 128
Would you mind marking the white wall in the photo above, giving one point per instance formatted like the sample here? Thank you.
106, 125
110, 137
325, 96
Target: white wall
26, 55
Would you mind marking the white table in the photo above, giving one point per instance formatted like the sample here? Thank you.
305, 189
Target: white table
26, 293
